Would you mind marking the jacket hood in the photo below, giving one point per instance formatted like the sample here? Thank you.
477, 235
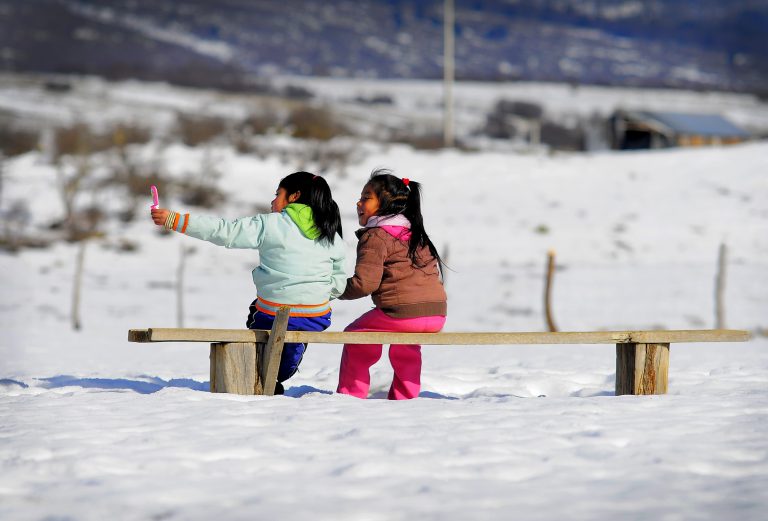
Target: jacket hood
301, 214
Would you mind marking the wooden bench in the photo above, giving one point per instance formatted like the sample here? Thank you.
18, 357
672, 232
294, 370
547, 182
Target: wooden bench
245, 361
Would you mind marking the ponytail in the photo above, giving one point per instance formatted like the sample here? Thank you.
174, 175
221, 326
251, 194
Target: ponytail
314, 192
403, 196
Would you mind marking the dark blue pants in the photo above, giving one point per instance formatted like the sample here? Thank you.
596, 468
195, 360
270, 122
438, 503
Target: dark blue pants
292, 353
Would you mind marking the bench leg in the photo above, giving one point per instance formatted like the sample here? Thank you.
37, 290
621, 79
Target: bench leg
233, 367
642, 368
246, 367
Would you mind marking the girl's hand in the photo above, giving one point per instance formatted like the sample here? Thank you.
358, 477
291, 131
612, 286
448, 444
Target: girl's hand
159, 215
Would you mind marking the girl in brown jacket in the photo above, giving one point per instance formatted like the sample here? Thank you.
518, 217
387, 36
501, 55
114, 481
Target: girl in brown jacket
399, 267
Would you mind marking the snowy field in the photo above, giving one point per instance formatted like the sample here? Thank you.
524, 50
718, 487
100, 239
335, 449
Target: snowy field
93, 427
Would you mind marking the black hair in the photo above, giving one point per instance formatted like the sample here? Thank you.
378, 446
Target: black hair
314, 192
397, 197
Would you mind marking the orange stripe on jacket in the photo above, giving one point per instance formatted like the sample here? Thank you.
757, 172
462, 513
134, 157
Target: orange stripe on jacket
265, 301
186, 222
293, 314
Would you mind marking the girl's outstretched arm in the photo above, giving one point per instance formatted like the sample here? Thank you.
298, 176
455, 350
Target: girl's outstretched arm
239, 233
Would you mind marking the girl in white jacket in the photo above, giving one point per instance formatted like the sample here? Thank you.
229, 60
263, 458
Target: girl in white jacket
301, 256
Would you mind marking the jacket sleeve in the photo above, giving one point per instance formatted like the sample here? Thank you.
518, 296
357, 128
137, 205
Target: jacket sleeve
247, 232
338, 275
369, 268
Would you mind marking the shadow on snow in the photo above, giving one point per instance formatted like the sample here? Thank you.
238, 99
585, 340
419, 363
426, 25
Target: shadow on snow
142, 385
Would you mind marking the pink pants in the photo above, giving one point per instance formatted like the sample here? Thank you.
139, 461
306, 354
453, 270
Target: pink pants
357, 359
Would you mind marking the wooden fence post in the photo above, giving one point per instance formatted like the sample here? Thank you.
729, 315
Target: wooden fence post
720, 287
77, 284
551, 327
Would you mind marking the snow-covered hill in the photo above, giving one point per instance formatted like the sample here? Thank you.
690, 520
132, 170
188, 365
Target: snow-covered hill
665, 43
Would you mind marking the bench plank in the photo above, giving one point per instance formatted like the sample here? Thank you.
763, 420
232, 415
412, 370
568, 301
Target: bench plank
197, 335
586, 337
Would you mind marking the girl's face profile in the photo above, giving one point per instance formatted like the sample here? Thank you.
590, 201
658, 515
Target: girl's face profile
367, 206
282, 199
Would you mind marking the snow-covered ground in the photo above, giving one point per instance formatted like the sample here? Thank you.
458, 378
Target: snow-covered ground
413, 103
93, 427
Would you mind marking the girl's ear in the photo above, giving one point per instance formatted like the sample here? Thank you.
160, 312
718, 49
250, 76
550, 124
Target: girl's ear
294, 197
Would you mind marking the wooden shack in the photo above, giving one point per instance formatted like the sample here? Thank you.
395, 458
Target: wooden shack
633, 130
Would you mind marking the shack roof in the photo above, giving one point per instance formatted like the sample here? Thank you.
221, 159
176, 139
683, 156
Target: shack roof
692, 124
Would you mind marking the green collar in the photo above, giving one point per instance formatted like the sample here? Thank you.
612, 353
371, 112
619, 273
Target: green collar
301, 214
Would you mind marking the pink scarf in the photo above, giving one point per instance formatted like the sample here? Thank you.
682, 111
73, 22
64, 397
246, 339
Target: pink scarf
398, 226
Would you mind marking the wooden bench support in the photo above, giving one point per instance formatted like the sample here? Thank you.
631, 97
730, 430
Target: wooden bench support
642, 368
273, 351
233, 367
249, 367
